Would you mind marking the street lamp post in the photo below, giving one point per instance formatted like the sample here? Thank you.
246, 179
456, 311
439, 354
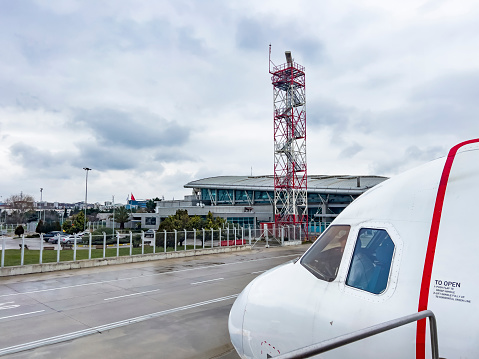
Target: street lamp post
41, 203
86, 193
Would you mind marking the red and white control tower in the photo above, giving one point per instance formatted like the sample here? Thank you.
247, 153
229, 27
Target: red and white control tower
290, 169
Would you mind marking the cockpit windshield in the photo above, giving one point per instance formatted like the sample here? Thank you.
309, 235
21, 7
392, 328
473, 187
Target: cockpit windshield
371, 264
324, 257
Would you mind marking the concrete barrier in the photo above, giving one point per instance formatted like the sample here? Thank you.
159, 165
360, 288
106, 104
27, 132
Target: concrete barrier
98, 262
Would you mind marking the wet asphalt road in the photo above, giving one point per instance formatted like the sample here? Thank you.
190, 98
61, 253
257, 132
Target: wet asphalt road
175, 308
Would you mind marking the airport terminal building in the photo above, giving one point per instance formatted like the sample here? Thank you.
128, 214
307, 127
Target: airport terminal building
248, 200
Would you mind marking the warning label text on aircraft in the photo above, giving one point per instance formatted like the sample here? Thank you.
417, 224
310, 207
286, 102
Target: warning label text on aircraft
449, 290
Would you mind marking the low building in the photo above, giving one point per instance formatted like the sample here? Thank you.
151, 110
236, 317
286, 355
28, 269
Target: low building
249, 200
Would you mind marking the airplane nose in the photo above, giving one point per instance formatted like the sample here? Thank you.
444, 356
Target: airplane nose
235, 320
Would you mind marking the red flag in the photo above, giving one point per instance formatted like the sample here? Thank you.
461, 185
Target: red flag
133, 197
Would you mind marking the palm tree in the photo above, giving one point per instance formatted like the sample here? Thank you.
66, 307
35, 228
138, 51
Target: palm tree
122, 216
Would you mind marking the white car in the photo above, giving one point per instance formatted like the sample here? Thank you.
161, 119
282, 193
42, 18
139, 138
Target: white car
65, 239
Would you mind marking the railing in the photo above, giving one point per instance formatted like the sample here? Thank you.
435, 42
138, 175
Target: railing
342, 340
36, 251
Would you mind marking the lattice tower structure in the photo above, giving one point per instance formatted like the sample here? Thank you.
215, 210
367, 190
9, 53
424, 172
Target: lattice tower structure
290, 166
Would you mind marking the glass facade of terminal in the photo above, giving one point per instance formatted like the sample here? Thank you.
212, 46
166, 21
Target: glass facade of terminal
332, 204
240, 197
246, 222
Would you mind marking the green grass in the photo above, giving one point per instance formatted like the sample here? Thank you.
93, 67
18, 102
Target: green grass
12, 256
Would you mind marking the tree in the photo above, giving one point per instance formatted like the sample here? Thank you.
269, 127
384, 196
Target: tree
19, 230
51, 216
67, 226
40, 227
122, 216
20, 203
30, 216
150, 206
78, 222
75, 225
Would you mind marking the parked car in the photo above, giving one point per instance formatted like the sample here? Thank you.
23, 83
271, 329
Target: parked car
54, 239
150, 233
49, 235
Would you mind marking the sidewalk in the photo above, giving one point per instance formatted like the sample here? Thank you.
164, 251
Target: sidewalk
13, 243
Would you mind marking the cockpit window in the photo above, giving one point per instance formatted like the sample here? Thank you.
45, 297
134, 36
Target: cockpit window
324, 257
371, 262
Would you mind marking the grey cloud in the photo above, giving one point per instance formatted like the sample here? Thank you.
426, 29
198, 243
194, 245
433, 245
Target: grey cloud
413, 155
459, 88
32, 158
256, 34
445, 105
158, 33
106, 158
324, 112
172, 155
252, 35
351, 151
139, 130
425, 154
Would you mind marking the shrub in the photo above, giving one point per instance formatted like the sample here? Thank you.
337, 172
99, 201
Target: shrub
19, 230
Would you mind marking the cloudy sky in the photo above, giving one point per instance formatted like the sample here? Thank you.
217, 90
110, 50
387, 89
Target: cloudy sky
154, 94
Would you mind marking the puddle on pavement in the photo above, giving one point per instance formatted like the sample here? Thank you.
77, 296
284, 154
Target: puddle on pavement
166, 269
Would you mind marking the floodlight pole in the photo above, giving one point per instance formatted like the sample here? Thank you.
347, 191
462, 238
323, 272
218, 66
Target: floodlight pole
41, 201
86, 194
113, 226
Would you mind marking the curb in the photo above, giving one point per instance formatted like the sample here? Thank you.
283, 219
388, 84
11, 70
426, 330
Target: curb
98, 262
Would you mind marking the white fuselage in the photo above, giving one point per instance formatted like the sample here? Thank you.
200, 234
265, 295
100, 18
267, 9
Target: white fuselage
291, 307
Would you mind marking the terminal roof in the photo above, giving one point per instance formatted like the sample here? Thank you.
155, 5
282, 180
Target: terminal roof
316, 183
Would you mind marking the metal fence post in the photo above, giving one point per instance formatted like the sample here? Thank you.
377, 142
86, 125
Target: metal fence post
176, 238
249, 229
89, 245
142, 242
117, 244
131, 243
74, 247
58, 249
235, 236
242, 235
203, 238
282, 236
22, 250
212, 235
164, 243
3, 251
220, 236
186, 236
267, 236
40, 260
228, 235
104, 243
154, 242
194, 240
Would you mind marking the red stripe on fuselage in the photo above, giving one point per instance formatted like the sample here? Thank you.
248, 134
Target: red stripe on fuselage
431, 249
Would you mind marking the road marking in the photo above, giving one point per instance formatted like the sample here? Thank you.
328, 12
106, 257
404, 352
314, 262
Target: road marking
260, 271
102, 328
11, 306
129, 295
146, 275
19, 315
206, 281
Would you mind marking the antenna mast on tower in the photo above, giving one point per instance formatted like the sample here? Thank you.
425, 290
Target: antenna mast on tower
290, 170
